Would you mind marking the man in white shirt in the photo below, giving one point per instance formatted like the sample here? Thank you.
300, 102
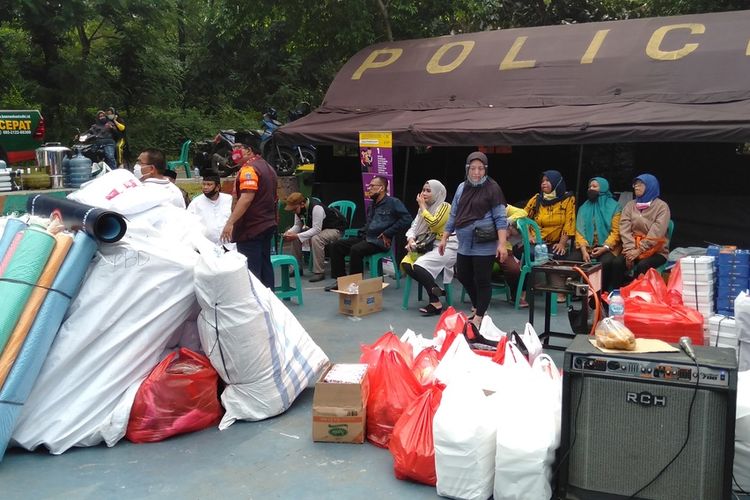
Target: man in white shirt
150, 170
315, 223
212, 207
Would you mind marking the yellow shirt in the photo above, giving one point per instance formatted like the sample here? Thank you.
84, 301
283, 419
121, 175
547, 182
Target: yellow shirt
554, 220
437, 222
613, 242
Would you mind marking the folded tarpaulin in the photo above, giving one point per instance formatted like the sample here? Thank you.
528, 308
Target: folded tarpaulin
19, 278
63, 242
12, 227
104, 225
29, 363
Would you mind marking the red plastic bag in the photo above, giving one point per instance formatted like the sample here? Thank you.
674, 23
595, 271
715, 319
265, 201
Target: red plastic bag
652, 312
393, 387
387, 342
180, 395
454, 324
424, 366
412, 445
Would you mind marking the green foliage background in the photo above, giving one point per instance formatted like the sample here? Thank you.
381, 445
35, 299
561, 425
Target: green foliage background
178, 69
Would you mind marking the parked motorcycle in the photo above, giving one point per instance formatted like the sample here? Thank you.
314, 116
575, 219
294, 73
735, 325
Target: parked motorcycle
87, 145
214, 156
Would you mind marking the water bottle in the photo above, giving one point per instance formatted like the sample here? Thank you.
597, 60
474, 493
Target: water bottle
616, 306
541, 255
196, 172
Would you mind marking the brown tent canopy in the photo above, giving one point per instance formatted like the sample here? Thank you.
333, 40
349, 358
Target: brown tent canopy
681, 78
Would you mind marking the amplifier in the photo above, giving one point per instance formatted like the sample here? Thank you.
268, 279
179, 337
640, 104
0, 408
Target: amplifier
625, 416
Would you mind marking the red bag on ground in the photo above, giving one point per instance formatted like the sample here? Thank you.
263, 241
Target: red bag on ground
651, 311
424, 366
453, 323
412, 445
387, 342
393, 387
180, 395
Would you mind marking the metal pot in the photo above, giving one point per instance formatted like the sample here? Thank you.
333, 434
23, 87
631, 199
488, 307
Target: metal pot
51, 156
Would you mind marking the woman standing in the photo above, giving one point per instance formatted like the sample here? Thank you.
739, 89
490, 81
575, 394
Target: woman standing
478, 218
426, 266
643, 227
598, 232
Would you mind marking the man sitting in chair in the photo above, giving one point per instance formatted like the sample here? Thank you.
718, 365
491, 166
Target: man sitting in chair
315, 223
386, 217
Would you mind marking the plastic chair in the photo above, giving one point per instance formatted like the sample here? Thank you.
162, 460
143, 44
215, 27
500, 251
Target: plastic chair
347, 208
285, 291
183, 161
448, 287
670, 230
524, 226
375, 263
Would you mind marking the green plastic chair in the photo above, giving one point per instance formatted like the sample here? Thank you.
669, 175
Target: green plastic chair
286, 291
670, 230
448, 287
524, 226
183, 161
375, 263
347, 208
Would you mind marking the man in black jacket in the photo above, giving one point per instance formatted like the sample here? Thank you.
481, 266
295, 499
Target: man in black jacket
386, 218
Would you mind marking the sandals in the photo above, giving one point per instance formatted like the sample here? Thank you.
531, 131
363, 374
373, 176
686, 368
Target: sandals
431, 310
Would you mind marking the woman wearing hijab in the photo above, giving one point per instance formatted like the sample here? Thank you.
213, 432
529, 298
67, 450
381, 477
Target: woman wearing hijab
425, 267
553, 208
479, 221
598, 232
643, 227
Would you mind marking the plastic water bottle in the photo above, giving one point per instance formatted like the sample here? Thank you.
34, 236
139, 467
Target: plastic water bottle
616, 306
196, 172
541, 254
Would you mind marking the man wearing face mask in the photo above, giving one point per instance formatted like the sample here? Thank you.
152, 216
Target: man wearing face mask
386, 217
212, 207
103, 130
150, 170
254, 218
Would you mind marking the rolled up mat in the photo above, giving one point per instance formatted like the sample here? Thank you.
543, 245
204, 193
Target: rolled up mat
63, 242
12, 227
23, 271
22, 376
9, 253
104, 225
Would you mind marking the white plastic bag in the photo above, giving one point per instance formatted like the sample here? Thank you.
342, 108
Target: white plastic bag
742, 432
253, 341
531, 341
417, 342
489, 331
742, 320
528, 432
464, 434
120, 191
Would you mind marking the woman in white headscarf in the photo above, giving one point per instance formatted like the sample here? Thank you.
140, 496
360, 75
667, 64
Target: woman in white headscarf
425, 264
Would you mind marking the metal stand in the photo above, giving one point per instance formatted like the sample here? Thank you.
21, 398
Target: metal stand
573, 284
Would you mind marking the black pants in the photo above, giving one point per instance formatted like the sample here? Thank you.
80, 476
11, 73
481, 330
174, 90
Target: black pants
258, 253
613, 269
423, 277
474, 273
356, 248
643, 265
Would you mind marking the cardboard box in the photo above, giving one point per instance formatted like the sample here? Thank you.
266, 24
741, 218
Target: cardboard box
340, 409
367, 300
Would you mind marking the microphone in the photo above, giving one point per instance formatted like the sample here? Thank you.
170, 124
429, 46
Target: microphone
687, 345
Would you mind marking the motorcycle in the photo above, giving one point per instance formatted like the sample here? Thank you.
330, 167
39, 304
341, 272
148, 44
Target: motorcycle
305, 153
88, 146
214, 156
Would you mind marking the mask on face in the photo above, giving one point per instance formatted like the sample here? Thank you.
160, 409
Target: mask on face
103, 119
592, 194
111, 117
237, 155
374, 196
137, 172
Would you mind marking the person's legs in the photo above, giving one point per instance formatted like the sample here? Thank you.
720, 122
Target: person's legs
613, 271
295, 249
482, 272
337, 251
358, 252
266, 268
464, 272
644, 265
512, 274
252, 250
424, 278
318, 248
109, 154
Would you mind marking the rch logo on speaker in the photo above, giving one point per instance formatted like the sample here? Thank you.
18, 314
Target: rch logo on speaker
645, 399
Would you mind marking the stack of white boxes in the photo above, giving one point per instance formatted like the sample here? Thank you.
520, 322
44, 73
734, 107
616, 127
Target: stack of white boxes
723, 332
698, 284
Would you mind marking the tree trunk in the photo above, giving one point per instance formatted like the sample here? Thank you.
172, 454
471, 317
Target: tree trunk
383, 6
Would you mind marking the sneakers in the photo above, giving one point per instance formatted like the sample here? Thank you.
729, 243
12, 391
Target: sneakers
332, 286
317, 277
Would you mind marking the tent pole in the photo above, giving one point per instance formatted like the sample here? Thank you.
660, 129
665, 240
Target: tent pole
578, 177
406, 173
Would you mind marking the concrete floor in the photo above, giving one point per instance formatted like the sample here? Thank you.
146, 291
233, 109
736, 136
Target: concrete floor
275, 458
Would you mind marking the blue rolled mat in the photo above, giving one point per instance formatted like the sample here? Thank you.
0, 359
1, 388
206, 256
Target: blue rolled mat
22, 273
29, 363
11, 228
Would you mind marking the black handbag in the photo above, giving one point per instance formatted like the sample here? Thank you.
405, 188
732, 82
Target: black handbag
424, 242
485, 234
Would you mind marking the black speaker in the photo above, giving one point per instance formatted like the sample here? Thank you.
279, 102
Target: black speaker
625, 417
